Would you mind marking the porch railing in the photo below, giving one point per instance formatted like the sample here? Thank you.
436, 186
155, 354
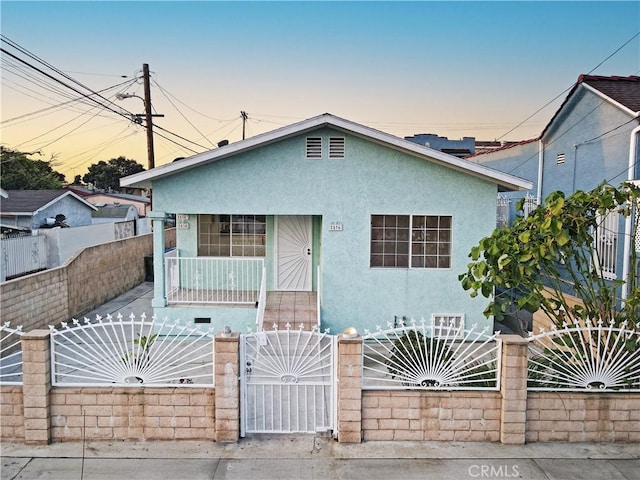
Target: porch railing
213, 280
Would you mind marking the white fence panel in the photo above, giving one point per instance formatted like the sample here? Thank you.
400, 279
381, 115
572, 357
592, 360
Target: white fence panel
431, 356
131, 352
585, 358
23, 254
10, 355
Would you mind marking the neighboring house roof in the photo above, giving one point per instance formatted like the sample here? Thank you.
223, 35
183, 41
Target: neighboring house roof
113, 211
30, 202
85, 192
507, 146
503, 180
623, 92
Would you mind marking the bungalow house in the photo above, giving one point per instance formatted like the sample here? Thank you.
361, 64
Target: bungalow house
593, 137
45, 208
358, 227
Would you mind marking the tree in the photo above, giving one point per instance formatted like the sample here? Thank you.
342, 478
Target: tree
19, 172
554, 247
107, 175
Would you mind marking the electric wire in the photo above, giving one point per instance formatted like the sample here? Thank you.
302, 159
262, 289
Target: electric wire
569, 88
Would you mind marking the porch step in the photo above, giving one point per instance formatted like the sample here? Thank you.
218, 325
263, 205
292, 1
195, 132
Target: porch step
292, 308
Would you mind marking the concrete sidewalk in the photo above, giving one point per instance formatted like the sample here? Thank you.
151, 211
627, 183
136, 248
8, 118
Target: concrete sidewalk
310, 457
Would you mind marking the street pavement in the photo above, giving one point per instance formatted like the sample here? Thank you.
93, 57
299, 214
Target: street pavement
309, 457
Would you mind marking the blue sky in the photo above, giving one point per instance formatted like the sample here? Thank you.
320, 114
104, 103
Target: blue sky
451, 68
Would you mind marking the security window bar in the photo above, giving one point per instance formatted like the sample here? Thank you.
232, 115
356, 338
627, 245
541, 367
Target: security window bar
336, 147
231, 235
560, 159
314, 147
410, 241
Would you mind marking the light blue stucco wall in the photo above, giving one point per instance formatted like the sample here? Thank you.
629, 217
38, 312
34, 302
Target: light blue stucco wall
77, 214
594, 137
277, 180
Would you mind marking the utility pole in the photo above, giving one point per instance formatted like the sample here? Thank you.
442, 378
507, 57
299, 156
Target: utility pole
244, 116
148, 115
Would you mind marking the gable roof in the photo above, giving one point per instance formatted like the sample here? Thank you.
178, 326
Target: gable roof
30, 202
503, 180
623, 92
114, 211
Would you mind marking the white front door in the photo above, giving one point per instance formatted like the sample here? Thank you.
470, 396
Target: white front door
293, 253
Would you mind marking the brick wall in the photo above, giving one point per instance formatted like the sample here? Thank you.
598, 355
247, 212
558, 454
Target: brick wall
119, 413
94, 276
11, 413
415, 415
583, 417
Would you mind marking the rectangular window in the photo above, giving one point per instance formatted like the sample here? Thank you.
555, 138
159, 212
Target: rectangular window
450, 325
314, 147
410, 241
231, 235
606, 244
336, 147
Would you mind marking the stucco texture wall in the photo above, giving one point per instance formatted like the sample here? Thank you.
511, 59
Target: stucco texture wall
278, 180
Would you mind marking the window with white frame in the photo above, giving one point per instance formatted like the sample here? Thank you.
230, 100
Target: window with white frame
231, 235
410, 241
606, 243
447, 324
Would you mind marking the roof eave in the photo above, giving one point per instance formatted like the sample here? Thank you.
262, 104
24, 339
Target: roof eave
503, 180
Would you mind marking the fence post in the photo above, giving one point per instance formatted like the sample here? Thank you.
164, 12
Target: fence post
36, 385
227, 385
513, 389
349, 385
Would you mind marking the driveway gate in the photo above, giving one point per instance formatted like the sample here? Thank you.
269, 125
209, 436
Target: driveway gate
287, 382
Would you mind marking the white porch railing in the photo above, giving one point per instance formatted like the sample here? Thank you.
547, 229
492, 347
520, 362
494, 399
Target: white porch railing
213, 280
24, 254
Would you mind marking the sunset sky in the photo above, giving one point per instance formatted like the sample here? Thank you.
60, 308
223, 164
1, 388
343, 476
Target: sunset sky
450, 68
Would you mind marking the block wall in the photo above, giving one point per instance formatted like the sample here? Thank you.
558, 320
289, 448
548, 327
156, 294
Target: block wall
415, 415
11, 413
583, 417
132, 413
94, 276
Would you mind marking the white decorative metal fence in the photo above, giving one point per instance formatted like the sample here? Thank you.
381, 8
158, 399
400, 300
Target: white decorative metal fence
431, 356
585, 358
287, 380
131, 352
213, 279
10, 355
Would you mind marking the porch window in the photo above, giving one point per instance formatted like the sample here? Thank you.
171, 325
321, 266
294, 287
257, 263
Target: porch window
410, 241
231, 235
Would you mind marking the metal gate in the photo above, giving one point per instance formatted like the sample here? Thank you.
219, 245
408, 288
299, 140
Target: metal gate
287, 382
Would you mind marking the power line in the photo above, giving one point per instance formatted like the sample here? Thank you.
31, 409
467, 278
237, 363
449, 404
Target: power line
567, 89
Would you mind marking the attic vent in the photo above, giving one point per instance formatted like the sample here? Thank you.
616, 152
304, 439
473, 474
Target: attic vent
336, 147
560, 159
314, 147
